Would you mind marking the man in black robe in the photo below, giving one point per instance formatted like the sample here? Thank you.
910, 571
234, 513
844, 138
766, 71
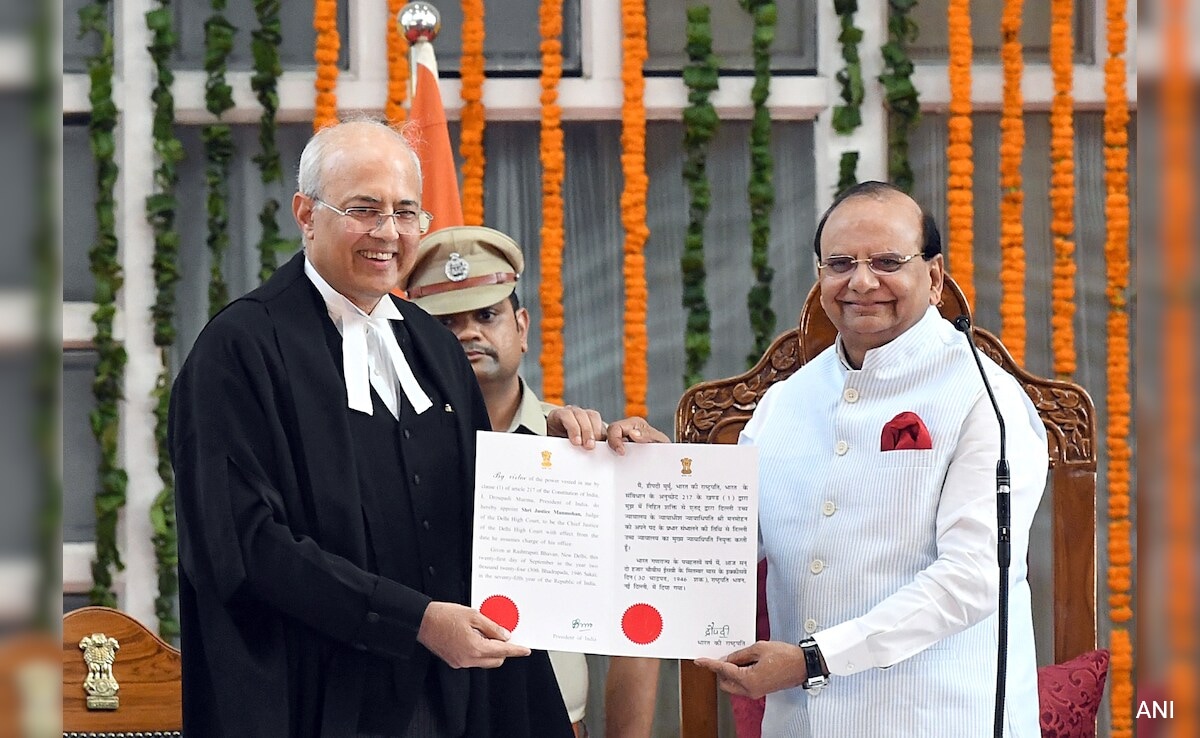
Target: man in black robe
322, 434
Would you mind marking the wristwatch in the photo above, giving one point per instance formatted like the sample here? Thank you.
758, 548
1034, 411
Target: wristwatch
814, 666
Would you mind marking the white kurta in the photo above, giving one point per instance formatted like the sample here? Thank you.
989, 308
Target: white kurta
888, 558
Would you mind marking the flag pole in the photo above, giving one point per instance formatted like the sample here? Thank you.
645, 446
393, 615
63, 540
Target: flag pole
420, 22
427, 127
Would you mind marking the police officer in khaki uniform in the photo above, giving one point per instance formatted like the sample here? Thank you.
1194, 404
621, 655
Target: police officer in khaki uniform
466, 276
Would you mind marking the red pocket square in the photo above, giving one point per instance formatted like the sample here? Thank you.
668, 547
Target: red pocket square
905, 431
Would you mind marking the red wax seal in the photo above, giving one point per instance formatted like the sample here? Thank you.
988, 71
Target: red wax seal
502, 611
642, 623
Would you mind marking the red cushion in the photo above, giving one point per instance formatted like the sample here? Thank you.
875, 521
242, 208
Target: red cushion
1069, 695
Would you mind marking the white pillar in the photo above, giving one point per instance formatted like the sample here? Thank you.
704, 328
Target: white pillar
366, 45
869, 139
137, 586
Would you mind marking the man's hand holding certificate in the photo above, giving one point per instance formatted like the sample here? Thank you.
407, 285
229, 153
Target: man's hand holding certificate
649, 554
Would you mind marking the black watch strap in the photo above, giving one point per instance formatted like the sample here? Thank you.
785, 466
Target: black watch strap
817, 675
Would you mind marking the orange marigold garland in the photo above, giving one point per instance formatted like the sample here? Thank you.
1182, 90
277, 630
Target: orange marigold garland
471, 144
325, 54
398, 71
1062, 189
1121, 692
1179, 364
960, 209
1012, 196
633, 202
551, 151
1117, 263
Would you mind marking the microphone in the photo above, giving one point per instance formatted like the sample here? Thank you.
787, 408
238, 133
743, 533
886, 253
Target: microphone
1003, 532
1003, 479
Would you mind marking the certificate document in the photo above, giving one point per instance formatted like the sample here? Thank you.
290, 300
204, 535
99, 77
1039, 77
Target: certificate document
649, 554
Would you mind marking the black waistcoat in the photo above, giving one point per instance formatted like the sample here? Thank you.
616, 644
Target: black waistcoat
410, 477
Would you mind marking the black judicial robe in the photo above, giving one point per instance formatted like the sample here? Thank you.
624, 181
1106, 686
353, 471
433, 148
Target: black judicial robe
279, 611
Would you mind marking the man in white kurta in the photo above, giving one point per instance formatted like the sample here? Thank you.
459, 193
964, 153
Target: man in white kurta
887, 558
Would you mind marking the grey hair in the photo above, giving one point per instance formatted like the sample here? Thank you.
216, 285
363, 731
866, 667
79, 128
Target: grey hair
312, 159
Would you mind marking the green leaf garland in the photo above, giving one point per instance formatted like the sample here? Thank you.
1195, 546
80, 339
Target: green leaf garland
848, 116
218, 149
106, 269
47, 387
847, 171
900, 95
699, 125
161, 207
264, 46
760, 189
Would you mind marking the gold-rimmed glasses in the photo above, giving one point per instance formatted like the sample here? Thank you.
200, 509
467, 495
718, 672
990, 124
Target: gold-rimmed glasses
412, 222
886, 263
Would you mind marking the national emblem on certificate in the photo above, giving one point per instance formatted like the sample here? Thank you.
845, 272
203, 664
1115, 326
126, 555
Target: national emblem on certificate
649, 554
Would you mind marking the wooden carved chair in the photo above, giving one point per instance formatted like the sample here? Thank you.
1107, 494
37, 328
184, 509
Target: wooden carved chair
716, 411
119, 679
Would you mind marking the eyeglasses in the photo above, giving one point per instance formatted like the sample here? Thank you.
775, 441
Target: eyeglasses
369, 220
878, 263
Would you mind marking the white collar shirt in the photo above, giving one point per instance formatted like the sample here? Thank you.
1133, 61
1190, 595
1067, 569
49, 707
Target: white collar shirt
371, 356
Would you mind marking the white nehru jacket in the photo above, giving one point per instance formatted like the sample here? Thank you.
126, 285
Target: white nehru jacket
888, 558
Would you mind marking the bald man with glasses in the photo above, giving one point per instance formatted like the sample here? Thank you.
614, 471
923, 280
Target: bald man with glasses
322, 434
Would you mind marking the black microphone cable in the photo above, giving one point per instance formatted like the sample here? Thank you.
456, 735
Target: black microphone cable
1003, 534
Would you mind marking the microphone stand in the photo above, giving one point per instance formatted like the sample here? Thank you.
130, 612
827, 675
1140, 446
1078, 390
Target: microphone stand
1003, 537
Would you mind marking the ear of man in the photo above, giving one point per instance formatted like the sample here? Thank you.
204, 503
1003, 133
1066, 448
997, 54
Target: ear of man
522, 318
302, 211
